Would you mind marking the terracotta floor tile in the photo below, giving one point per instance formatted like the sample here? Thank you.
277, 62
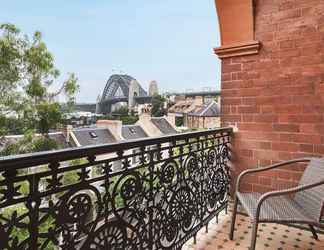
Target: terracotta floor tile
270, 237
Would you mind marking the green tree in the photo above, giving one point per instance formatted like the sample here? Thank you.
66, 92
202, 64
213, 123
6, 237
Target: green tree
27, 75
11, 125
123, 115
29, 143
123, 110
158, 106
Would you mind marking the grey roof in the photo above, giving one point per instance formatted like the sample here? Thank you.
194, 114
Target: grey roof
133, 132
207, 110
93, 136
163, 125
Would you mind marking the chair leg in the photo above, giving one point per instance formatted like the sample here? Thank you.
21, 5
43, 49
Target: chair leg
254, 235
313, 232
233, 219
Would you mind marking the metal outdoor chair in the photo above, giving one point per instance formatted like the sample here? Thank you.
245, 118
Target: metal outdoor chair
302, 204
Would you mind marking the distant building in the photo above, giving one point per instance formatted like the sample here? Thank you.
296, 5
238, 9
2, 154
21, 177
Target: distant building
81, 118
204, 116
204, 96
183, 107
194, 114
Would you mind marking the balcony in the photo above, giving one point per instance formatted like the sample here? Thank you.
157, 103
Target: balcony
154, 193
168, 192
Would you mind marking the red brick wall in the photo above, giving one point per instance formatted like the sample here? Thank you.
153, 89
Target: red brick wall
276, 98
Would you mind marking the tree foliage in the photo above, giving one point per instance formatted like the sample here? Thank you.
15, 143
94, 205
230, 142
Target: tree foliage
123, 115
29, 143
123, 110
11, 125
158, 109
179, 121
27, 76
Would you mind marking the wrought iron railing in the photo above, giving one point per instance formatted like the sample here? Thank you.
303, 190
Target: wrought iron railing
152, 193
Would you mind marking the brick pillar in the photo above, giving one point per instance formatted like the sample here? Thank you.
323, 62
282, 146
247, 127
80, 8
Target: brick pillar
276, 97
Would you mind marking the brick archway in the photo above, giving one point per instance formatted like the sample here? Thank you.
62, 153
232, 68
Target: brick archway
236, 21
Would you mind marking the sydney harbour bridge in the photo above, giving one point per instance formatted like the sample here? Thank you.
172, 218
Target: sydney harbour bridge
121, 89
126, 90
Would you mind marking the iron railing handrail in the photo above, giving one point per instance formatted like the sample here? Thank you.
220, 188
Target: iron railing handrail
159, 191
33, 159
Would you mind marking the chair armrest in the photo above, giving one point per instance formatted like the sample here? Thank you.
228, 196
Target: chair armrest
285, 192
255, 170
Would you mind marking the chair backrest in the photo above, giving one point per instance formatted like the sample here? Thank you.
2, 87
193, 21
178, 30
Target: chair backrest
311, 200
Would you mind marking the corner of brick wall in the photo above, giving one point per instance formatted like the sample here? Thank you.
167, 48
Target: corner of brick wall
276, 98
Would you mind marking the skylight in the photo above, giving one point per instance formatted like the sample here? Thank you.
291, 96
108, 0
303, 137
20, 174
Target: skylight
93, 135
132, 130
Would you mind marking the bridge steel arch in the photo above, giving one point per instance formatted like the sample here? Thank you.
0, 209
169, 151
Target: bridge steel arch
117, 90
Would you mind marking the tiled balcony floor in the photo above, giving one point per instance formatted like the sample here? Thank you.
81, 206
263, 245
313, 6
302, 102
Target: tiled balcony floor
270, 236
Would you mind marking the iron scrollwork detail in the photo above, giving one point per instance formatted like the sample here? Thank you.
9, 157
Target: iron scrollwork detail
176, 187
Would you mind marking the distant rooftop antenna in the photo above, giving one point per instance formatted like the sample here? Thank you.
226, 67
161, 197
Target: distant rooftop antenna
116, 70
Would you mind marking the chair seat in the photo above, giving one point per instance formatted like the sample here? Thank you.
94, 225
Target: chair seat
274, 209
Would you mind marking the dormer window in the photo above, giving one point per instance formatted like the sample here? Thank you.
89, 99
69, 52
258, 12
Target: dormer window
93, 135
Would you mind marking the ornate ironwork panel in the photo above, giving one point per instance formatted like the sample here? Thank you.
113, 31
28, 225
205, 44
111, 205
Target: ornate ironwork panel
152, 193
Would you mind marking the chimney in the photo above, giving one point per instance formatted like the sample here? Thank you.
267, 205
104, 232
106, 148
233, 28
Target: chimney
114, 126
199, 100
67, 132
145, 114
171, 117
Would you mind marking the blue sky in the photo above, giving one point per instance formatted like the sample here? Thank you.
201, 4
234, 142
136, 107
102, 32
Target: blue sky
169, 41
